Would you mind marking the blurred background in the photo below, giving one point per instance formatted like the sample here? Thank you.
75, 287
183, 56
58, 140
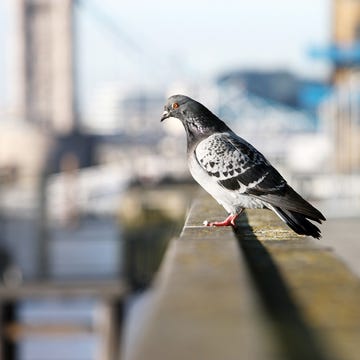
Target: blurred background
92, 186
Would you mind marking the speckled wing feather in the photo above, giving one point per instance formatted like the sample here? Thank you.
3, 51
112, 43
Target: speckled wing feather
239, 167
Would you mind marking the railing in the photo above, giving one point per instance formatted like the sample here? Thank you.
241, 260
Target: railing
109, 296
260, 292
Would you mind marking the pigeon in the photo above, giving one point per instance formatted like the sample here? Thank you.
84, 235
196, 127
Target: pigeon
234, 172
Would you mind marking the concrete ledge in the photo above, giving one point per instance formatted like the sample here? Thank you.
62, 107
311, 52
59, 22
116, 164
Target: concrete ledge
309, 290
261, 292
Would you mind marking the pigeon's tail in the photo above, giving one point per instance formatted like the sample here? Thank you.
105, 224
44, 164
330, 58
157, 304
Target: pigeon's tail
298, 222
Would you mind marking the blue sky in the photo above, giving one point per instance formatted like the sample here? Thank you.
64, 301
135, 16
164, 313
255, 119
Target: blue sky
160, 41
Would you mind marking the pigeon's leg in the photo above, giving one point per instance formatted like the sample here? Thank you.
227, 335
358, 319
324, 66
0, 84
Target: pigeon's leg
229, 221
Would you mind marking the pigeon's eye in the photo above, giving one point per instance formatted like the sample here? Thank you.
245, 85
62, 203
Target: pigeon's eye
175, 105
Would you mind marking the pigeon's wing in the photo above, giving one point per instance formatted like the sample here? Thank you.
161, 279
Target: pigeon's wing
238, 166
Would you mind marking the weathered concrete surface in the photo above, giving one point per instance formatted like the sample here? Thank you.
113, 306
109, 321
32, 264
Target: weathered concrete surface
321, 290
261, 292
204, 305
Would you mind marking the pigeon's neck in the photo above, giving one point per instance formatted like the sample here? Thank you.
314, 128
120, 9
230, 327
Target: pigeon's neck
193, 140
196, 134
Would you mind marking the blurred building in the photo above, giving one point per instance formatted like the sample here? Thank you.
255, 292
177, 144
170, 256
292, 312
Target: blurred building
343, 52
339, 111
44, 124
22, 149
130, 112
105, 112
340, 117
346, 38
141, 110
44, 58
278, 86
346, 98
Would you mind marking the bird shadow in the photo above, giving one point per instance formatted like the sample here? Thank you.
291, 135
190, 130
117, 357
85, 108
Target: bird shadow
296, 339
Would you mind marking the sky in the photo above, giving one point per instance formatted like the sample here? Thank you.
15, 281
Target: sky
154, 43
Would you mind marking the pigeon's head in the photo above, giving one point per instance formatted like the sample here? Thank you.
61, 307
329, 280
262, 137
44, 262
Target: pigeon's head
180, 107
196, 118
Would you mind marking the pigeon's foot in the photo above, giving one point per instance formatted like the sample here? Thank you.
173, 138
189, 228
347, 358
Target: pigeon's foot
229, 221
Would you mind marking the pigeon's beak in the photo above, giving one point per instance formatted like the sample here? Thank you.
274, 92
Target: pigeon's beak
165, 115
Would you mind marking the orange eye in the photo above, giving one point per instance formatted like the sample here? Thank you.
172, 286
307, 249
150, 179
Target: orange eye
175, 105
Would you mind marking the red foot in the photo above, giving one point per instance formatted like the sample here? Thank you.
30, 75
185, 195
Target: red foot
229, 221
